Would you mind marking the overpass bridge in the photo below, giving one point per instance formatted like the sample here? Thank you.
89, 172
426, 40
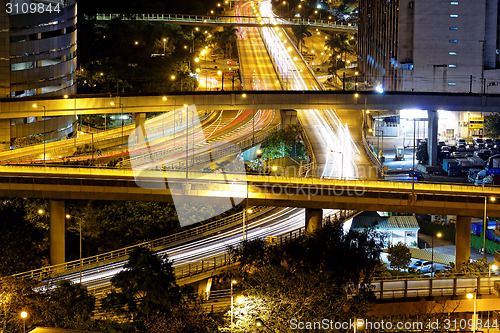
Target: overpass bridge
229, 100
58, 184
240, 21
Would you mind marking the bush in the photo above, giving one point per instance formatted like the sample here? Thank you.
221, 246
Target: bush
476, 242
431, 228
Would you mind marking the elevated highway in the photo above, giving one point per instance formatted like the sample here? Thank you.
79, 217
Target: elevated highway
240, 21
223, 100
108, 184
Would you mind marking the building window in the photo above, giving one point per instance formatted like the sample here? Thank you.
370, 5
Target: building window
453, 28
452, 66
452, 84
453, 15
453, 40
452, 53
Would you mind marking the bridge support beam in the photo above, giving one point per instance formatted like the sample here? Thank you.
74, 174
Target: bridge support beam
462, 240
288, 118
204, 287
57, 232
432, 142
4, 134
139, 119
314, 220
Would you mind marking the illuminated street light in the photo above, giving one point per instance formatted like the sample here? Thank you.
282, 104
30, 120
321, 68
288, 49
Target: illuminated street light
233, 282
492, 267
24, 315
438, 235
274, 168
473, 296
40, 211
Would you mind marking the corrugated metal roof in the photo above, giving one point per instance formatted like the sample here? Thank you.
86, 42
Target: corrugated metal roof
373, 220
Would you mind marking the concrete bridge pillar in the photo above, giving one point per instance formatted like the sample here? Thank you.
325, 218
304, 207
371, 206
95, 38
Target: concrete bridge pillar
314, 220
462, 240
139, 119
57, 232
4, 134
204, 287
288, 118
432, 142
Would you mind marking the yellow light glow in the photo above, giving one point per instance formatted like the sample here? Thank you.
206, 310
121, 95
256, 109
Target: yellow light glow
68, 216
244, 95
40, 211
24, 314
439, 235
470, 296
164, 98
240, 300
274, 168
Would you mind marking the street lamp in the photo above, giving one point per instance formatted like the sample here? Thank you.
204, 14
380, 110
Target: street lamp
492, 267
485, 224
24, 315
438, 235
164, 41
358, 324
260, 323
222, 79
473, 295
43, 119
233, 282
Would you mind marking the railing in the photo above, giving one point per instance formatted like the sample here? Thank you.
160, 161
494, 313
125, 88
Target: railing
454, 286
236, 20
161, 243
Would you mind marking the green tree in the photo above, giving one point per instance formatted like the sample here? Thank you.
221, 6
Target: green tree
310, 278
284, 142
399, 256
145, 287
492, 125
300, 32
23, 235
422, 154
69, 306
226, 38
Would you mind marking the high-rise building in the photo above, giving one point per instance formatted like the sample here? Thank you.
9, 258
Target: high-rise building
38, 43
431, 45
38, 47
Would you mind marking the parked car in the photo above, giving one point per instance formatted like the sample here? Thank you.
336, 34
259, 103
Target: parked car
458, 154
497, 143
470, 147
483, 154
489, 143
420, 266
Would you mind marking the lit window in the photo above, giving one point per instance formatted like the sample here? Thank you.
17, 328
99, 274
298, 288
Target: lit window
453, 40
452, 53
454, 3
453, 15
452, 66
453, 28
452, 84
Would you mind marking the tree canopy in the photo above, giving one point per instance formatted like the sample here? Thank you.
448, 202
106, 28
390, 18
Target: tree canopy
399, 256
308, 278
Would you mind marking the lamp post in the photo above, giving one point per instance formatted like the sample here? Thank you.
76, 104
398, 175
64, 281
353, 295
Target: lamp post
473, 296
222, 79
164, 41
24, 315
43, 119
438, 235
233, 282
485, 225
